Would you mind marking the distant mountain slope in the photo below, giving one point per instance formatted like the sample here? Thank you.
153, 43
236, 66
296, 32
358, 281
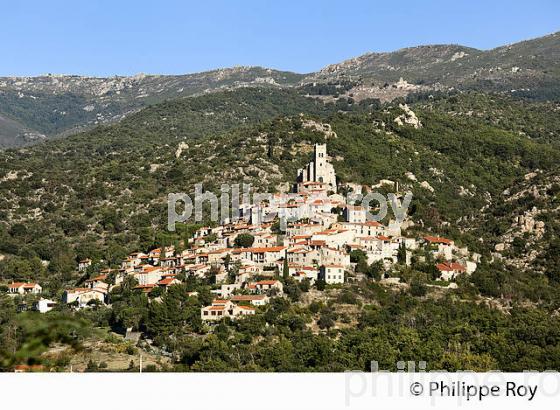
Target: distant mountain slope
13, 133
38, 108
529, 69
55, 105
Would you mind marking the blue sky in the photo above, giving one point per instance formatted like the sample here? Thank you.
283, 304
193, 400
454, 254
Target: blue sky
101, 37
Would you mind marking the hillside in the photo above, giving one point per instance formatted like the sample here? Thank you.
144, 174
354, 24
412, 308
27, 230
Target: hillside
529, 69
54, 105
34, 109
474, 162
104, 191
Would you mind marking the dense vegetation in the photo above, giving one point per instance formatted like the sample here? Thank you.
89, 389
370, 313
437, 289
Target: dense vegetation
101, 194
353, 327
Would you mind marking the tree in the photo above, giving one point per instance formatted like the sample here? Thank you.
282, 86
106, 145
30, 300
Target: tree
326, 320
244, 240
285, 267
227, 261
417, 288
360, 258
375, 270
401, 254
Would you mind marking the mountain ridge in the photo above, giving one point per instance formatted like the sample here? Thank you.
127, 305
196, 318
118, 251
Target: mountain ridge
38, 108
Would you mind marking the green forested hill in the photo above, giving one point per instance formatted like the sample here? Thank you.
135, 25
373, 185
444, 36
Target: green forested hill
106, 188
44, 107
102, 194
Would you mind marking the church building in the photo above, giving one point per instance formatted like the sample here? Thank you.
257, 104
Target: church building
318, 175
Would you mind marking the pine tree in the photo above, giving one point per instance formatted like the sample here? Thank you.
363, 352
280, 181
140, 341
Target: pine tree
286, 268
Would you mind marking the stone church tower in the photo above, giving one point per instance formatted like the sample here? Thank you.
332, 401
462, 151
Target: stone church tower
317, 174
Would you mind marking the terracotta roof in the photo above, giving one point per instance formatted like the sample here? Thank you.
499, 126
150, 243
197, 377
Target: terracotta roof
167, 281
267, 282
240, 298
437, 239
150, 268
317, 243
450, 266
302, 236
17, 285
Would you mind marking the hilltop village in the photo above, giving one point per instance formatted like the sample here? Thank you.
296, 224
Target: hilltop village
327, 243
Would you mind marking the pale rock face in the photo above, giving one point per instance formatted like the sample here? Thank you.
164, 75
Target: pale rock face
265, 80
10, 176
426, 185
500, 247
464, 191
182, 146
436, 172
326, 129
528, 224
530, 175
411, 176
404, 85
408, 118
458, 55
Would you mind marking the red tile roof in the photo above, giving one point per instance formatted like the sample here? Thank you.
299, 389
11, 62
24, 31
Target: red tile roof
450, 267
17, 285
437, 239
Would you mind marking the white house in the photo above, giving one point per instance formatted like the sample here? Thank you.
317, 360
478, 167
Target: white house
303, 256
44, 305
331, 256
449, 270
440, 247
262, 256
224, 308
97, 282
227, 290
332, 274
355, 214
84, 264
21, 288
369, 228
264, 286
149, 275
83, 296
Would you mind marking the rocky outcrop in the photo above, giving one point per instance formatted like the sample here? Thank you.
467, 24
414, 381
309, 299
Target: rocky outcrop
408, 117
